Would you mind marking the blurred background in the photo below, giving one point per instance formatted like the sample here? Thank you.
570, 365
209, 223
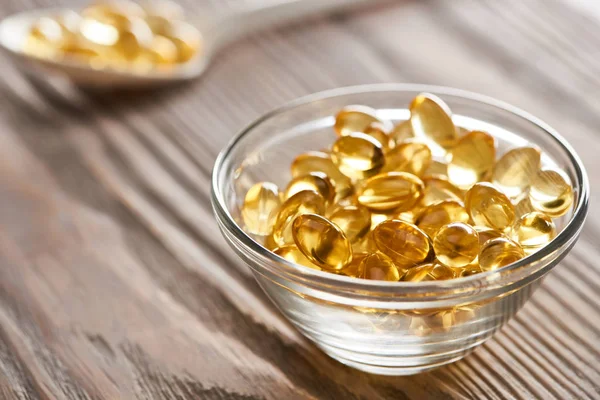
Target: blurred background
114, 280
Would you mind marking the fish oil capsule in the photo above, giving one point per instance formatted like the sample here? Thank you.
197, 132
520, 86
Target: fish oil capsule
119, 40
428, 272
489, 207
391, 191
160, 14
365, 245
380, 132
292, 254
51, 36
469, 270
315, 181
486, 234
401, 132
404, 243
377, 218
472, 159
436, 169
533, 231
439, 189
442, 273
411, 157
305, 202
523, 206
269, 243
378, 267
133, 41
431, 117
355, 118
456, 245
499, 252
322, 242
407, 216
550, 193
515, 170
433, 217
114, 13
162, 52
318, 161
354, 221
357, 155
340, 203
186, 38
260, 207
352, 269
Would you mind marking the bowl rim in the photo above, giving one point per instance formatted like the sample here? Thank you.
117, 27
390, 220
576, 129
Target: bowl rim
477, 281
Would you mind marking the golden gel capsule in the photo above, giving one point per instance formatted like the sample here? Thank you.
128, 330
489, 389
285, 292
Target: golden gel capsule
407, 216
366, 245
50, 37
489, 207
486, 234
533, 230
411, 157
392, 191
260, 207
428, 272
292, 254
269, 243
159, 15
133, 40
322, 242
305, 202
353, 269
404, 243
340, 203
515, 170
401, 132
354, 221
497, 253
355, 118
456, 245
433, 217
377, 218
472, 159
439, 189
315, 181
550, 193
115, 13
318, 161
436, 169
357, 155
378, 267
471, 269
380, 132
162, 51
523, 206
431, 117
186, 38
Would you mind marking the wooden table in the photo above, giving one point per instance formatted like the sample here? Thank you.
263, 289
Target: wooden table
115, 282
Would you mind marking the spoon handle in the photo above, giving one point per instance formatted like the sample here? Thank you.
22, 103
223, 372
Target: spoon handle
257, 15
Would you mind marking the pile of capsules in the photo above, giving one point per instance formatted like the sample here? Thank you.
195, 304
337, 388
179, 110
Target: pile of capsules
377, 205
120, 35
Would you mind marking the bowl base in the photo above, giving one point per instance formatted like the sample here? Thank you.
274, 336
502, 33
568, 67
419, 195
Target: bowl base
398, 365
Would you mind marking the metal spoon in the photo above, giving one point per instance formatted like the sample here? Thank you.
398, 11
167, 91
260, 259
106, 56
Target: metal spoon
216, 33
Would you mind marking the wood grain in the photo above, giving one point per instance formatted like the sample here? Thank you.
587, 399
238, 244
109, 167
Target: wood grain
114, 282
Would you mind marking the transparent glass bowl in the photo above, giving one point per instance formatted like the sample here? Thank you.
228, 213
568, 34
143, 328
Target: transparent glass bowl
392, 328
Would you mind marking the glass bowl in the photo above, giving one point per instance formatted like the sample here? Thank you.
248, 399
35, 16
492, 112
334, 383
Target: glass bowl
391, 328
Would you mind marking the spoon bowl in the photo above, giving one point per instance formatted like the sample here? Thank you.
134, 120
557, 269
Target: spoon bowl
216, 32
15, 29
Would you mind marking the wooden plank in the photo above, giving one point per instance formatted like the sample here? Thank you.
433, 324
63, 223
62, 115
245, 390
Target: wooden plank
114, 281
